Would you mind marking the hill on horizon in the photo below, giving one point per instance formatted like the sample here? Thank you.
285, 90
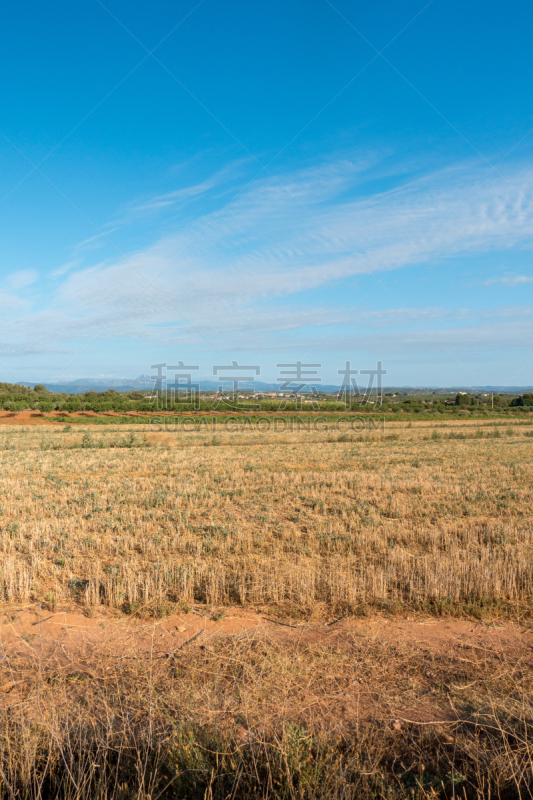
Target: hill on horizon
144, 383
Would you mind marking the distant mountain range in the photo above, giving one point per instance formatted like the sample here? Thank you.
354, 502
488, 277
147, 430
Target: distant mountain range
144, 383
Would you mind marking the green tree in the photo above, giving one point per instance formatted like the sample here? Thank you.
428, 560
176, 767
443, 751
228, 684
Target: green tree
72, 404
523, 400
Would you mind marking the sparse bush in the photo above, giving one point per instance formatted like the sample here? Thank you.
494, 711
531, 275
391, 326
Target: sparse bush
87, 441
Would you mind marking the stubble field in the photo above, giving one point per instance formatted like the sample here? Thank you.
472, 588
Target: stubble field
317, 521
364, 605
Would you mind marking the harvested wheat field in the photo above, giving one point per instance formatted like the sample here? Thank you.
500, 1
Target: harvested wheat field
267, 615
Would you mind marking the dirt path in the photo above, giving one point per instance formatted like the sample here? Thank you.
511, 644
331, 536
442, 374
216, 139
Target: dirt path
397, 669
32, 630
35, 633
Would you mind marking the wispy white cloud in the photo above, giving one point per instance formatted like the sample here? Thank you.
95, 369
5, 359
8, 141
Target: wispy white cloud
10, 302
461, 339
21, 279
509, 280
95, 242
64, 268
217, 185
238, 272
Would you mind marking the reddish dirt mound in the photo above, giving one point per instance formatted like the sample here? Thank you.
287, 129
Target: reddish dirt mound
398, 669
25, 630
24, 418
28, 630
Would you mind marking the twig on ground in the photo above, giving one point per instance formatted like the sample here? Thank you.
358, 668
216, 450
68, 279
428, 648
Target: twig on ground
277, 622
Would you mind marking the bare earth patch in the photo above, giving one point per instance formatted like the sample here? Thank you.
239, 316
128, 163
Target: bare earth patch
372, 667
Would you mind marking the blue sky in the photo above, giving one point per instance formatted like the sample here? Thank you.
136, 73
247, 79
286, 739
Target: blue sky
267, 182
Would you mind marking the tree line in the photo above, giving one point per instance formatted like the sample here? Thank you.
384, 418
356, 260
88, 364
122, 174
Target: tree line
16, 397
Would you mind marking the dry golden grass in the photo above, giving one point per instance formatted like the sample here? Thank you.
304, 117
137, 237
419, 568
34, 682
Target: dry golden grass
300, 715
433, 516
316, 520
